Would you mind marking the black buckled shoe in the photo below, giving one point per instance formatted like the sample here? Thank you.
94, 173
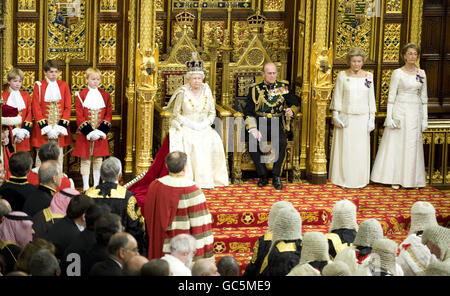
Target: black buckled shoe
276, 182
263, 181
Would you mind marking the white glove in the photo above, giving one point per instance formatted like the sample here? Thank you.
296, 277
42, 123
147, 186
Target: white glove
336, 120
424, 117
93, 136
25, 133
100, 134
371, 122
191, 124
255, 133
389, 122
18, 134
53, 134
61, 130
46, 129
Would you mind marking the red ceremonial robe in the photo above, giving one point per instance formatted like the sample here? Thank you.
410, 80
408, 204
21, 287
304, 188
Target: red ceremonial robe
175, 205
158, 169
27, 119
41, 113
82, 145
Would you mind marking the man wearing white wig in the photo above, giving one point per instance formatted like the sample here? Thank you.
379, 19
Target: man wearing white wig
192, 108
358, 255
414, 257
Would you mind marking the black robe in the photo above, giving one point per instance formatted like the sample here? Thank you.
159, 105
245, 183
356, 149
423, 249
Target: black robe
16, 190
260, 251
282, 258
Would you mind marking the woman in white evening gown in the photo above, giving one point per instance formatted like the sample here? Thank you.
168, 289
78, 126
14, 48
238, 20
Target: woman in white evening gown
193, 112
400, 158
353, 107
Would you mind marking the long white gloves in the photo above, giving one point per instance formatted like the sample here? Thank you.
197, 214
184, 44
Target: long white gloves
61, 130
337, 121
20, 134
389, 122
424, 117
198, 126
371, 122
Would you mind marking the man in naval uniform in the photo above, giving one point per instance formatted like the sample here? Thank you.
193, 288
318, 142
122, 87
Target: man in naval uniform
269, 104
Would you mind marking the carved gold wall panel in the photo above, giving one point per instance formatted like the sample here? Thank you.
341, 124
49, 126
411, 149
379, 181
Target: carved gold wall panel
28, 81
26, 5
354, 27
213, 29
107, 43
160, 35
108, 84
159, 5
67, 29
26, 43
393, 6
274, 5
276, 36
391, 42
241, 37
108, 6
385, 82
77, 84
177, 31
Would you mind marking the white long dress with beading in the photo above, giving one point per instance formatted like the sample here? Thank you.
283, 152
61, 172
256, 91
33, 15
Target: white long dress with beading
206, 163
354, 98
400, 158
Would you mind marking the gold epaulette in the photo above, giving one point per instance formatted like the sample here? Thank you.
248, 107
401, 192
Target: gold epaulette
118, 193
286, 247
49, 216
284, 81
3, 244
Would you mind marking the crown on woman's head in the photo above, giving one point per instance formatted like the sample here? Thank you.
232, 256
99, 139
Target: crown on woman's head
195, 65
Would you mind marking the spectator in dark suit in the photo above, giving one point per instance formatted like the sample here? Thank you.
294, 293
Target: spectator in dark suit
83, 243
105, 227
17, 189
67, 229
121, 247
50, 175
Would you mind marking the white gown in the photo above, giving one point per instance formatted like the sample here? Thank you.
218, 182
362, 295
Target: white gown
400, 158
206, 163
354, 98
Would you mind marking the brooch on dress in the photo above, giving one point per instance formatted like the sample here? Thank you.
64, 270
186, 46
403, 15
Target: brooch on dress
420, 76
369, 80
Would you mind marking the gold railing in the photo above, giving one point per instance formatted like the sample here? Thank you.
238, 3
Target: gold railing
436, 143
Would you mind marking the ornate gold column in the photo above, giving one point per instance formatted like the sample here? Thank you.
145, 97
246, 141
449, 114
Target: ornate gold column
305, 91
131, 89
8, 11
321, 90
415, 22
146, 82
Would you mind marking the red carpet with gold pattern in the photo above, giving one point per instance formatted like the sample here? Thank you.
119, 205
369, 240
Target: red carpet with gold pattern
240, 212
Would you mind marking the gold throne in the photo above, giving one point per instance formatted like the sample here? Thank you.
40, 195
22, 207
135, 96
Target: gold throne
237, 78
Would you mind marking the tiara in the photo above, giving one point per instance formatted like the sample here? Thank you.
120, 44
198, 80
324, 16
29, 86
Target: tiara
195, 65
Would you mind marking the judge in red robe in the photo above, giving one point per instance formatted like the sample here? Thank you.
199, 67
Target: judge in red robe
51, 107
94, 116
174, 205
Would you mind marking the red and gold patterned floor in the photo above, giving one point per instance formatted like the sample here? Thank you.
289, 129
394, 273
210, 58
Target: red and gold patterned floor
240, 212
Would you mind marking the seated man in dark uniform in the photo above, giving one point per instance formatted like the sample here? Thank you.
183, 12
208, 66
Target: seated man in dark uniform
268, 105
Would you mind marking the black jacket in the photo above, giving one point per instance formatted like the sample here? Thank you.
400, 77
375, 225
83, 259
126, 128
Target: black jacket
82, 246
260, 251
43, 221
107, 267
123, 203
283, 257
39, 200
62, 234
16, 190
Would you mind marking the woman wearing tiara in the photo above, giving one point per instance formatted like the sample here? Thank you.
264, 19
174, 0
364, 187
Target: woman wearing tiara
193, 112
400, 160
